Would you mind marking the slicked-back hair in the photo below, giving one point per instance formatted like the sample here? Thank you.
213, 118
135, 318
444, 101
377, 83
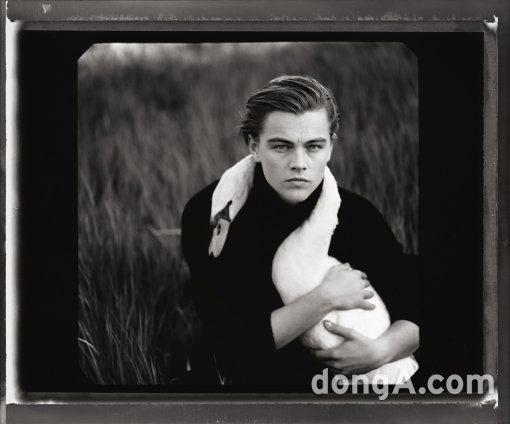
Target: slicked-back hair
295, 94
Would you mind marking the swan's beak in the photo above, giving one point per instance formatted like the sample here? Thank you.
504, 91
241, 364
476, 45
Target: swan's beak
218, 238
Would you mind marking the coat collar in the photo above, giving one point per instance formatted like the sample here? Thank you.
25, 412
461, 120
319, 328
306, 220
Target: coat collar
267, 201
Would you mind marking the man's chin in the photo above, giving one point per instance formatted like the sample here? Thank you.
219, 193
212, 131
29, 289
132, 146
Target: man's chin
296, 197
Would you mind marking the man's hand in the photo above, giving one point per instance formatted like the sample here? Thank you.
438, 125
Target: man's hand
357, 354
344, 288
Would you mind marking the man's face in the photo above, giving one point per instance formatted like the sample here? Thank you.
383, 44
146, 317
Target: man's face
294, 151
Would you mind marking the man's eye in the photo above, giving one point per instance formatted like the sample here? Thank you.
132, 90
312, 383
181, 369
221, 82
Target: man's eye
281, 148
314, 147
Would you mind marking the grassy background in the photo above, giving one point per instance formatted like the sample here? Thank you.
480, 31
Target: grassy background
157, 123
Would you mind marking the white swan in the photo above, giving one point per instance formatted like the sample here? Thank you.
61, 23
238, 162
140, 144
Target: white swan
302, 261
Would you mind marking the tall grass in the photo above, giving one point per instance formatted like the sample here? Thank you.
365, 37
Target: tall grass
156, 124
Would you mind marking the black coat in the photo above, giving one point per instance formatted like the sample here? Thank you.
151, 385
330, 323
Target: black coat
234, 293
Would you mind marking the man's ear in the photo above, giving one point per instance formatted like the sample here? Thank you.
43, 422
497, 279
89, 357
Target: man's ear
253, 146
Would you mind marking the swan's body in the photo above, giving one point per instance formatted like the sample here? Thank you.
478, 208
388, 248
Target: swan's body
302, 261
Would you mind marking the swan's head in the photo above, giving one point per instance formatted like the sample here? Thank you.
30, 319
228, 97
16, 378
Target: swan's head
228, 198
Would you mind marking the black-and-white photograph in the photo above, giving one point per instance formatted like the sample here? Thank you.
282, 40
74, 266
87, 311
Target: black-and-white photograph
248, 214
223, 214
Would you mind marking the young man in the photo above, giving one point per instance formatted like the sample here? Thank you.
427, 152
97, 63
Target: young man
290, 128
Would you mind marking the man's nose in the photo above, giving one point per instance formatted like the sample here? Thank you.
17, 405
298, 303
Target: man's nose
298, 160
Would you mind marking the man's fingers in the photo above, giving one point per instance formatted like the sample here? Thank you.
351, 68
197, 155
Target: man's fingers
361, 274
367, 306
326, 356
329, 357
367, 294
357, 271
340, 330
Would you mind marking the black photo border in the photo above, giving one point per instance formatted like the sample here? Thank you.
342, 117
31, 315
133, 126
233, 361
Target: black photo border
324, 16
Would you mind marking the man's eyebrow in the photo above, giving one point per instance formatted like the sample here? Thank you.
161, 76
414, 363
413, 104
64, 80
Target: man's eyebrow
279, 140
316, 140
283, 140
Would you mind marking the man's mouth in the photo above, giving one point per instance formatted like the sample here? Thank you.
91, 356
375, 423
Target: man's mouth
297, 182
297, 179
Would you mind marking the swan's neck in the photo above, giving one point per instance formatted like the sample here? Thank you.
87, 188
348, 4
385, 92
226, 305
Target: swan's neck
302, 259
314, 235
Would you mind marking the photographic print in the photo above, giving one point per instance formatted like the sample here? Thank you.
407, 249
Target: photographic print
159, 122
237, 216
